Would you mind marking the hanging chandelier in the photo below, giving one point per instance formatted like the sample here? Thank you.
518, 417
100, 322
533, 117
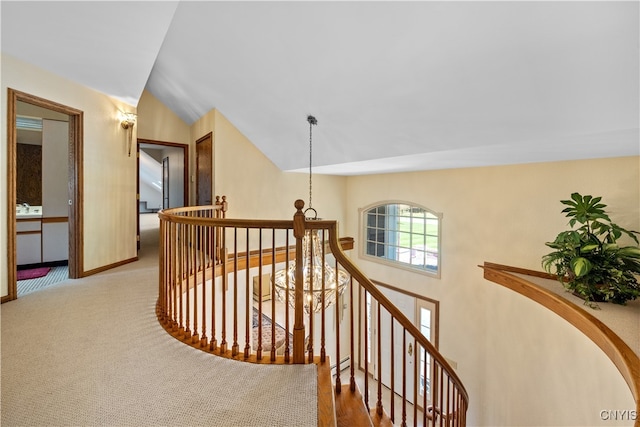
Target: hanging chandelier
316, 270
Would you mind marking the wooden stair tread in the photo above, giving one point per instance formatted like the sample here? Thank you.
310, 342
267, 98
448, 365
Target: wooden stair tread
326, 402
350, 409
380, 421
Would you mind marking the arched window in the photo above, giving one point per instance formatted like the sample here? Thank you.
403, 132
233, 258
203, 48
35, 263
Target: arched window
403, 234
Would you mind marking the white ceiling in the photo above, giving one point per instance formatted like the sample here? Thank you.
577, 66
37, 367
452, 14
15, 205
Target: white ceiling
395, 86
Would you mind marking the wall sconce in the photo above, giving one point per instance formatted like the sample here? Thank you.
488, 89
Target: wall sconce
127, 121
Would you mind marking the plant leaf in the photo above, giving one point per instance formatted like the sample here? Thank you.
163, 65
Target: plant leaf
589, 248
629, 251
580, 266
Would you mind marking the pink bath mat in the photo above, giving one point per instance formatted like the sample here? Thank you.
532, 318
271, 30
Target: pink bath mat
33, 273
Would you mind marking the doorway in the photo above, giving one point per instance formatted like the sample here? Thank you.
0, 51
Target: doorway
15, 101
163, 174
422, 312
204, 170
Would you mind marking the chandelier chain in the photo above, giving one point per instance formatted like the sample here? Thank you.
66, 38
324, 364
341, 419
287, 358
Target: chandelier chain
312, 121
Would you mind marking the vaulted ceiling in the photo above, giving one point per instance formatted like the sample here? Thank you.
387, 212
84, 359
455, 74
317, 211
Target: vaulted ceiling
395, 86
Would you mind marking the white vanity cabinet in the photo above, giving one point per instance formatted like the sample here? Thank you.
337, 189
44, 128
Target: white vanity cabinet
55, 241
29, 241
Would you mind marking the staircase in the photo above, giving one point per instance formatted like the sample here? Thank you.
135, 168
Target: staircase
205, 295
150, 180
344, 409
351, 410
145, 209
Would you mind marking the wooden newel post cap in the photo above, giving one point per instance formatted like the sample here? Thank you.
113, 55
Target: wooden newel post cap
298, 220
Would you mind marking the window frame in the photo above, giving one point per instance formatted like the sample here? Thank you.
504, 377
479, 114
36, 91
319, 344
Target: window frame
364, 228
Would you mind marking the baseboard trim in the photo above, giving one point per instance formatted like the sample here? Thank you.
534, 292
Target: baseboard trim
108, 267
345, 363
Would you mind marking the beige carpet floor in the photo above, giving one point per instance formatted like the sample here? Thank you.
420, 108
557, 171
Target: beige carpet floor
90, 352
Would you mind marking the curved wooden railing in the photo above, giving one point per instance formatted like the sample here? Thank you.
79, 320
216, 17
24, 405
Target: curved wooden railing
622, 356
214, 272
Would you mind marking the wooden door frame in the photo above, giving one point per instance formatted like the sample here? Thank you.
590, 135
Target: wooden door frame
166, 181
185, 149
185, 183
75, 173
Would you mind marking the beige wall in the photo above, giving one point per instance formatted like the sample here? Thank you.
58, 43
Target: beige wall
256, 188
158, 123
509, 351
109, 174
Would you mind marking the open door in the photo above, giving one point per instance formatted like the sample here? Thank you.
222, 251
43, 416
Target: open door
172, 162
74, 173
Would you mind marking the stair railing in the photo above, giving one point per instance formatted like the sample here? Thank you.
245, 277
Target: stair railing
217, 293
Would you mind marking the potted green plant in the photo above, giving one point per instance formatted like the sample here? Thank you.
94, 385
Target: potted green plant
588, 260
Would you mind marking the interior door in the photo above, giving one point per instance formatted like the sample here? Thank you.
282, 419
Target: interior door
165, 183
204, 170
55, 191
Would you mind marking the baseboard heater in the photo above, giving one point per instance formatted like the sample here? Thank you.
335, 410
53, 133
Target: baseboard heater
344, 364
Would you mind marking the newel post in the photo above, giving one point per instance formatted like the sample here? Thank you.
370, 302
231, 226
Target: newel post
298, 327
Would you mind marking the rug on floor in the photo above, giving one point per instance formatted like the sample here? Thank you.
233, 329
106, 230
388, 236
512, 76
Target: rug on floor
33, 273
280, 333
56, 275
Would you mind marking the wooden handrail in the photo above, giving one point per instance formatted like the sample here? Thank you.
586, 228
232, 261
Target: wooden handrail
201, 255
626, 360
391, 308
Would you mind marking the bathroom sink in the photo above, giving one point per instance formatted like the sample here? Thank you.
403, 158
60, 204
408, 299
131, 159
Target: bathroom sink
28, 213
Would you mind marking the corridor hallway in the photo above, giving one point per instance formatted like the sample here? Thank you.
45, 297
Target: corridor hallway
91, 352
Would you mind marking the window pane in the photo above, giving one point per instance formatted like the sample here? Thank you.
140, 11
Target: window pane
404, 240
425, 328
418, 257
418, 213
371, 220
371, 248
403, 233
432, 261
